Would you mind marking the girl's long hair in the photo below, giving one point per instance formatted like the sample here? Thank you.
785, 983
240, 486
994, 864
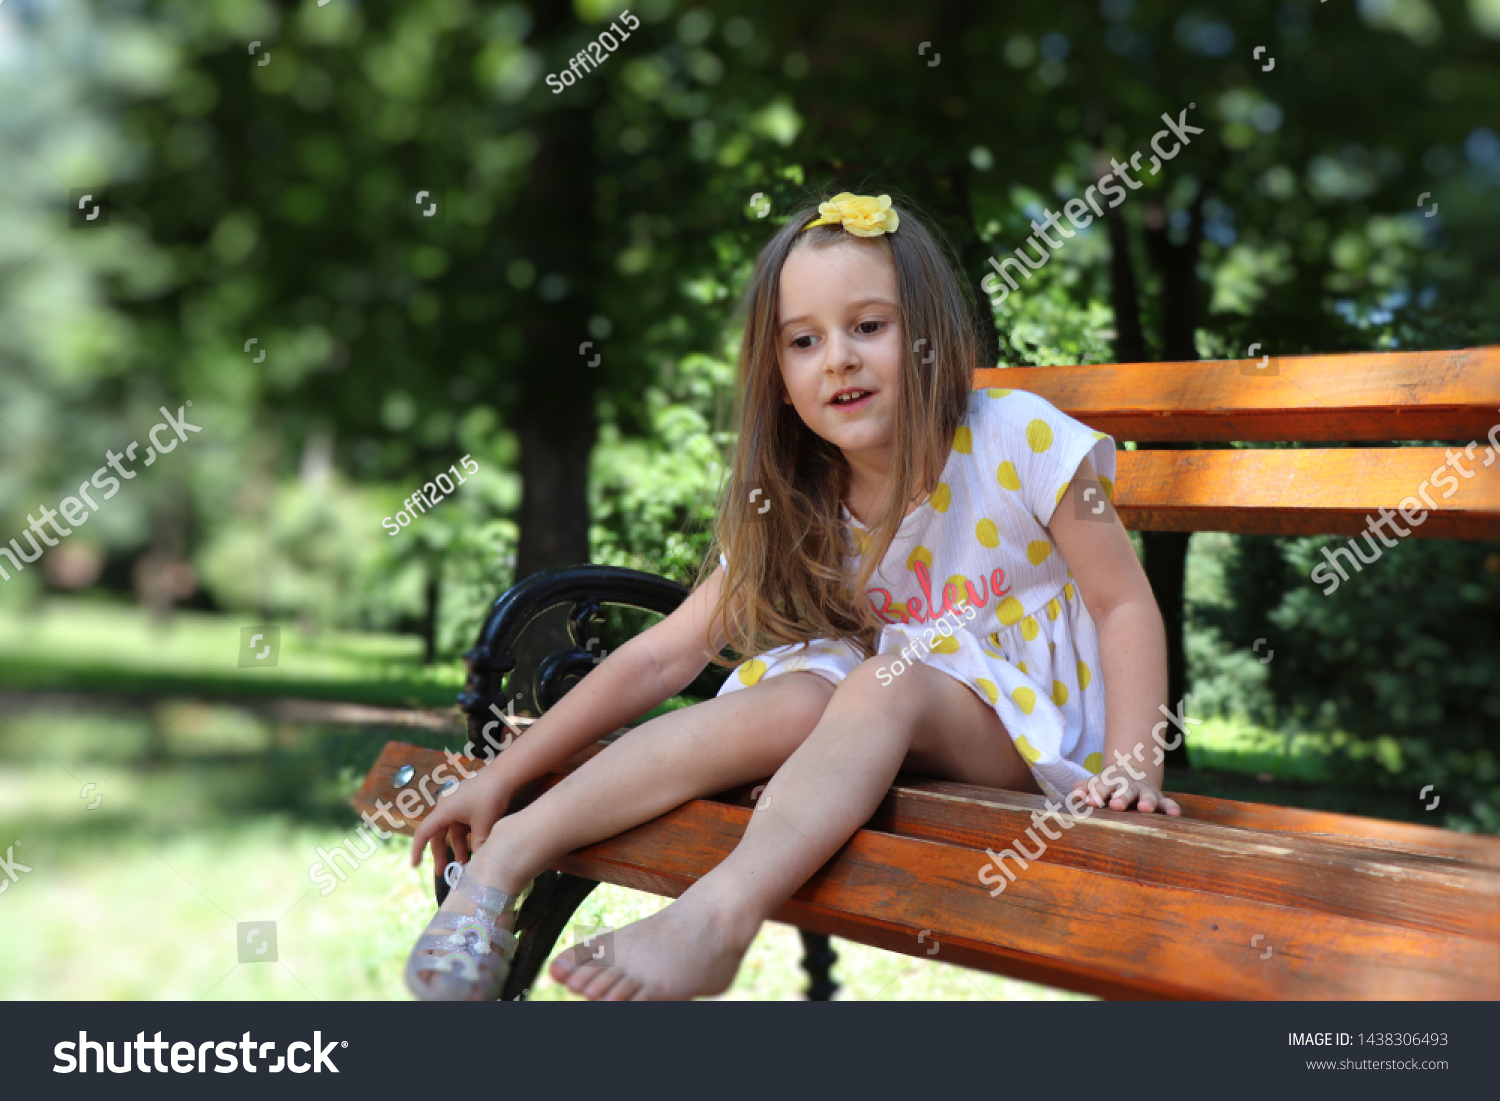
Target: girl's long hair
778, 520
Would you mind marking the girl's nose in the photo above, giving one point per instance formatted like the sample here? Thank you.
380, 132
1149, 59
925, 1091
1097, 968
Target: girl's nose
840, 354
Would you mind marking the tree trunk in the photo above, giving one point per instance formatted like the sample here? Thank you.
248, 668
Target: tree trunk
556, 445
1166, 551
555, 415
1124, 297
555, 418
432, 594
952, 190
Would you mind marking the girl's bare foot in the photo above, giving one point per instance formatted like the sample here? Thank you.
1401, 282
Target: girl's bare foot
692, 947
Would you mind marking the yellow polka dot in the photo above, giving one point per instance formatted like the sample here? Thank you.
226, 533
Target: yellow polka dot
922, 555
986, 532
1059, 693
1094, 762
1030, 628
752, 671
1029, 752
1009, 611
989, 688
1053, 608
1084, 676
1006, 475
1109, 487
1025, 699
1039, 435
1068, 590
1051, 647
997, 393
941, 497
1100, 435
963, 440
1022, 666
1037, 552
861, 542
898, 610
1062, 491
943, 645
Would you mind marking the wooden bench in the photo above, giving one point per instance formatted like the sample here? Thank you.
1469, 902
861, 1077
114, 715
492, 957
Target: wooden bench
1232, 900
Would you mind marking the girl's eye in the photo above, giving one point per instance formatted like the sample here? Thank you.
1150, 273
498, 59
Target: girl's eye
800, 342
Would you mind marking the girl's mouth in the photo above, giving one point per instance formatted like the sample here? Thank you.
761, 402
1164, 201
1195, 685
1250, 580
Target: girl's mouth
852, 399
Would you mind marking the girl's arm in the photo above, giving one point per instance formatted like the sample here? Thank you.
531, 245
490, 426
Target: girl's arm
1132, 647
653, 666
637, 676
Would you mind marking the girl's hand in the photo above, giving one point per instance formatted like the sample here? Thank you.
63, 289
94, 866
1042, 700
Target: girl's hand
1127, 792
475, 805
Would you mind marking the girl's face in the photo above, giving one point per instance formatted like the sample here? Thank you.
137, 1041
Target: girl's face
840, 332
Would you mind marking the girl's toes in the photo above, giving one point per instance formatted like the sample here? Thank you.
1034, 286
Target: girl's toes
562, 968
624, 990
603, 983
580, 979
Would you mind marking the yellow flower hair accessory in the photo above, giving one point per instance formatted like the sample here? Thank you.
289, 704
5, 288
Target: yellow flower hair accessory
861, 215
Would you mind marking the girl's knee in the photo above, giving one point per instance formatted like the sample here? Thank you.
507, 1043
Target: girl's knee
892, 681
879, 682
800, 693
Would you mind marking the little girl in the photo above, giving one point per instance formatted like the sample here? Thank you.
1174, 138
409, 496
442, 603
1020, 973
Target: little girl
999, 596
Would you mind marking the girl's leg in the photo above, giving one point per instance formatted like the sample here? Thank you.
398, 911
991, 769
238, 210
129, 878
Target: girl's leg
659, 765
826, 790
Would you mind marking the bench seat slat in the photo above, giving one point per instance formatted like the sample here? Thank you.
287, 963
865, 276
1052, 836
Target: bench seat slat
1311, 491
1382, 837
1390, 886
1444, 395
1071, 927
1162, 909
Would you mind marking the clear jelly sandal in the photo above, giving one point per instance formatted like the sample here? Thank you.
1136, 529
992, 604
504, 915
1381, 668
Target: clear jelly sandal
463, 957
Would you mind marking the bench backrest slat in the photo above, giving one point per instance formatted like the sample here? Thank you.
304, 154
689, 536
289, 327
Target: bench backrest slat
1453, 395
1383, 398
1313, 491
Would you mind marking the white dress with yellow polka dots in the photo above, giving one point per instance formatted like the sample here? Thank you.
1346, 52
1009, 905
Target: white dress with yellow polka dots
1030, 648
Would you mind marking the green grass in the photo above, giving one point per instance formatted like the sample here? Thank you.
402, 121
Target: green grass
1239, 746
76, 645
211, 816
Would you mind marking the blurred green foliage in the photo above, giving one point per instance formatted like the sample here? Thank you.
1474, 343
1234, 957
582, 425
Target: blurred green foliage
274, 202
1397, 664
